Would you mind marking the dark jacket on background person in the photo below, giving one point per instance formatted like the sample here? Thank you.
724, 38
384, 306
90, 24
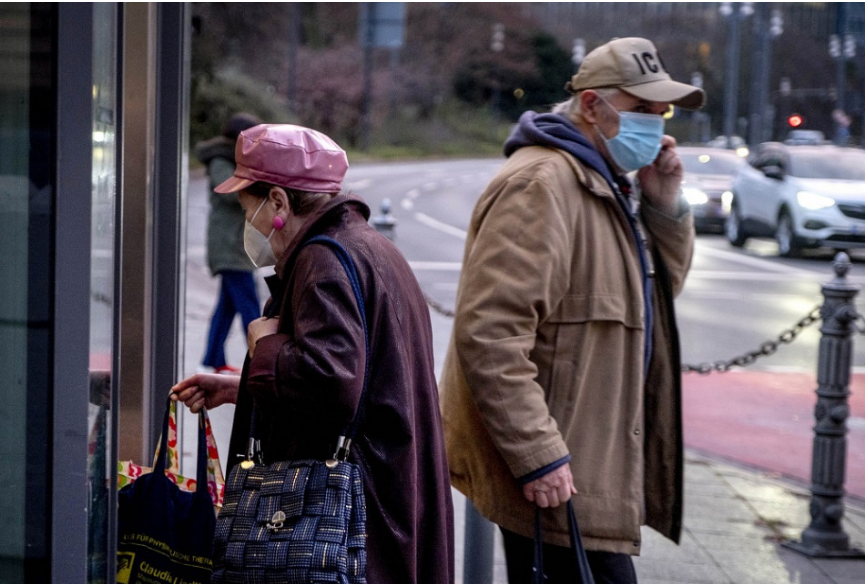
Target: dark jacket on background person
226, 219
547, 356
306, 381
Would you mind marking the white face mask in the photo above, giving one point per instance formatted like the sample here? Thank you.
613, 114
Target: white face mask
255, 243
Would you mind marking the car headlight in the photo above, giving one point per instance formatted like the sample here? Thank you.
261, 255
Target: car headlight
813, 201
727, 201
695, 196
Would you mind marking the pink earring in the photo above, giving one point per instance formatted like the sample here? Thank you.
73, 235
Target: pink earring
278, 223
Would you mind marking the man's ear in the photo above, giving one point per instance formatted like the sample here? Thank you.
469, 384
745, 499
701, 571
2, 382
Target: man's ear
279, 200
590, 101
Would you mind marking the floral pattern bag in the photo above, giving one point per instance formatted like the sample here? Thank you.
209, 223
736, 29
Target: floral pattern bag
128, 471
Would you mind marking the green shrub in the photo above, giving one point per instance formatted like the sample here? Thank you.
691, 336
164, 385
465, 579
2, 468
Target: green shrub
214, 99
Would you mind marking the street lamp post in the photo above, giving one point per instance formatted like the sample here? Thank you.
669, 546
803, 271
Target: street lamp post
731, 94
841, 53
578, 53
497, 45
697, 117
761, 119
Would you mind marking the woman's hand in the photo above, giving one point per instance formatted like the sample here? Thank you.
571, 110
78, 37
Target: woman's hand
206, 390
260, 327
552, 489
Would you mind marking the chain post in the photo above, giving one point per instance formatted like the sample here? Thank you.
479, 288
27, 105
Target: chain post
384, 222
825, 536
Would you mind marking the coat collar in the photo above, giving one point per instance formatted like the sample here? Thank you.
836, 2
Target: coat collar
594, 181
318, 221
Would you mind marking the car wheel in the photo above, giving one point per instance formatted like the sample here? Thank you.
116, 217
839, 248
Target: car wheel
789, 244
734, 229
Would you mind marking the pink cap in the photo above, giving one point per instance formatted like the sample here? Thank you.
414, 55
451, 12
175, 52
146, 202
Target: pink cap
288, 156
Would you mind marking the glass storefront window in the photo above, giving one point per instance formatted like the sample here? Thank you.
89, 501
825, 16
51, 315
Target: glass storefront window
29, 223
27, 138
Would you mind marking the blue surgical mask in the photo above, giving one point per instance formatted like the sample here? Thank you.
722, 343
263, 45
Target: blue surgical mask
256, 244
639, 139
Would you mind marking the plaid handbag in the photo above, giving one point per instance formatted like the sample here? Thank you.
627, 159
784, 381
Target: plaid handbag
296, 522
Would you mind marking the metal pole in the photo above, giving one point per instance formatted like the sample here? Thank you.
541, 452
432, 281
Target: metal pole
293, 44
766, 120
478, 548
756, 111
840, 83
732, 89
825, 536
371, 23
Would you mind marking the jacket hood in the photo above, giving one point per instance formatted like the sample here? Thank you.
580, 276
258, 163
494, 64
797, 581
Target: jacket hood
556, 131
220, 146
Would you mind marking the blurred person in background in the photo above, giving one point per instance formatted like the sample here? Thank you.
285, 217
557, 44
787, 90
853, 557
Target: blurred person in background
305, 366
562, 378
225, 255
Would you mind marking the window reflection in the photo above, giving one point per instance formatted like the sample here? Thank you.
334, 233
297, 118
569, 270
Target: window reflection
102, 273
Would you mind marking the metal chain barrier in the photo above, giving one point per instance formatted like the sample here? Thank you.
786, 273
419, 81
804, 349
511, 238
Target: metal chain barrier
859, 324
438, 307
766, 349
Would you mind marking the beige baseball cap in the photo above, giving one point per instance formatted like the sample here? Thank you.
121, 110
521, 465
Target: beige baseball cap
633, 65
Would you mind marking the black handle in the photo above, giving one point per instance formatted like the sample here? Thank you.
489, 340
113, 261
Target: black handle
583, 571
162, 455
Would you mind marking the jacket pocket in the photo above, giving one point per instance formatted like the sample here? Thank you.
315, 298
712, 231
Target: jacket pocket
584, 308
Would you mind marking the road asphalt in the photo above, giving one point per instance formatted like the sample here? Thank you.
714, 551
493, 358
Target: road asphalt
747, 466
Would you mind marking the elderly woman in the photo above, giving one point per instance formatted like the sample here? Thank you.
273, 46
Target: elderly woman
306, 366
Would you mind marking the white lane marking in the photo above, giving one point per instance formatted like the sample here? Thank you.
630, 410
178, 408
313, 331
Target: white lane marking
429, 186
774, 276
443, 227
751, 261
407, 204
413, 194
358, 184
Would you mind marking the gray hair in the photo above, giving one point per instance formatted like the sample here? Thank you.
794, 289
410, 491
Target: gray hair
301, 202
571, 107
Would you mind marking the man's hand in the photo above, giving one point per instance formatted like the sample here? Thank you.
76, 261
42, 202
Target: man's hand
206, 390
260, 327
661, 180
552, 489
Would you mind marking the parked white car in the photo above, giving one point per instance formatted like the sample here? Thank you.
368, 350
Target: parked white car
804, 196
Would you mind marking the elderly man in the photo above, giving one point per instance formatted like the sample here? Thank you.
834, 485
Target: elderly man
562, 376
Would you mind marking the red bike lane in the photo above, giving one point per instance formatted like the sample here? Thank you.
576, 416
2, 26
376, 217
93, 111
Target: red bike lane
765, 419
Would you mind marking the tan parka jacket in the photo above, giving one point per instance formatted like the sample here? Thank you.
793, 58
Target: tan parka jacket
546, 358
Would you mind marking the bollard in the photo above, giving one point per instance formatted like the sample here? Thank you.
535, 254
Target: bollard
384, 223
825, 536
478, 547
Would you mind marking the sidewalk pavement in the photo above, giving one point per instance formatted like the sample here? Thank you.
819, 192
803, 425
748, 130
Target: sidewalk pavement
735, 515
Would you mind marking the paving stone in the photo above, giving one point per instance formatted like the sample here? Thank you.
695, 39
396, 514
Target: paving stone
748, 566
651, 570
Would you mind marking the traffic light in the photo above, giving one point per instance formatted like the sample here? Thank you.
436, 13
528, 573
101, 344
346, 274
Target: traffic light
795, 120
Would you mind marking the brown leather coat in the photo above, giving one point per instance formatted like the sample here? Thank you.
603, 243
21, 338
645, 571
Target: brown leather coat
307, 379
